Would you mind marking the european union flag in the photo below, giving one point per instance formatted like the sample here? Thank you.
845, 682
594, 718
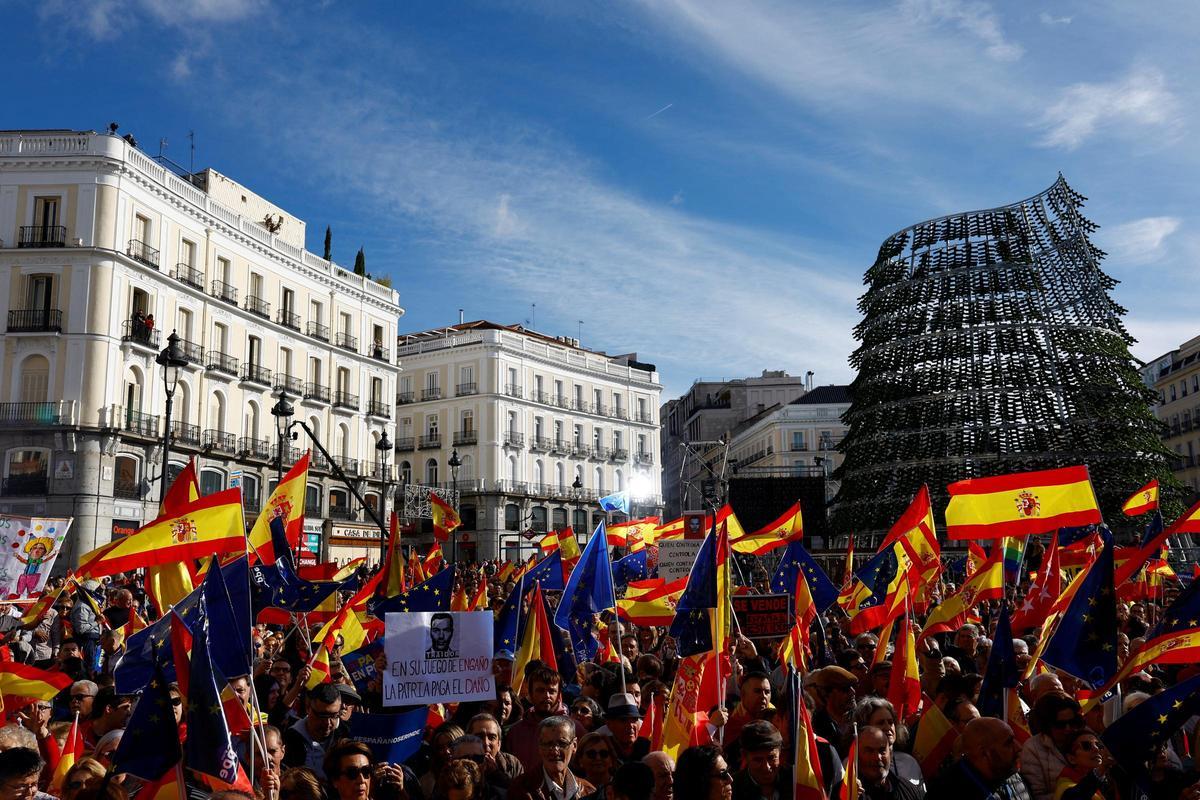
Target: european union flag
1134, 739
136, 668
548, 572
1069, 536
633, 567
432, 595
209, 747
617, 501
1154, 529
691, 628
277, 585
505, 631
877, 575
1085, 642
796, 560
150, 745
228, 624
1002, 672
588, 592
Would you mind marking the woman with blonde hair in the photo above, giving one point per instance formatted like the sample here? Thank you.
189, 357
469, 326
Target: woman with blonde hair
86, 774
595, 759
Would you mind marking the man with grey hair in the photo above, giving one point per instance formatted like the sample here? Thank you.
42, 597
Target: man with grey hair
556, 742
663, 767
966, 644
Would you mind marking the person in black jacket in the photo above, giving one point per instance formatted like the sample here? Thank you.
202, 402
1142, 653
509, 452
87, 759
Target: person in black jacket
988, 768
879, 781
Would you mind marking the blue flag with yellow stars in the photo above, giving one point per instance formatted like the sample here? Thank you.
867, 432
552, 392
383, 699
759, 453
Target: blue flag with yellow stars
209, 747
1085, 642
432, 595
506, 629
795, 560
589, 591
633, 567
1002, 671
1134, 739
150, 746
691, 628
136, 668
548, 572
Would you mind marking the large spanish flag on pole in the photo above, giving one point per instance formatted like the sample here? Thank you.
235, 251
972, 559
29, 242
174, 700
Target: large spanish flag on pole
1143, 500
1188, 523
286, 501
788, 528
445, 518
210, 526
1021, 504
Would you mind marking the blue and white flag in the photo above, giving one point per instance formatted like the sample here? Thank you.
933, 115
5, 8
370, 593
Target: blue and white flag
393, 738
618, 501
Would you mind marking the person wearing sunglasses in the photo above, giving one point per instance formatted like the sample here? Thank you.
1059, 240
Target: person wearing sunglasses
595, 759
702, 774
1056, 717
86, 774
586, 712
552, 778
354, 774
1083, 778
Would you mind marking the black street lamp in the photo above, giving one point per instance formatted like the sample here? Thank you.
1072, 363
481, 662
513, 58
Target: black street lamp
577, 496
170, 359
282, 412
454, 463
382, 447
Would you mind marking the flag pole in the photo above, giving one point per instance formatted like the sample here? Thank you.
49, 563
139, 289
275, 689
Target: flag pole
616, 614
216, 564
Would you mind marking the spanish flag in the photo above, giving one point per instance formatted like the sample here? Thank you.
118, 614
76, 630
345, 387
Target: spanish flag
536, 643
480, 601
635, 534
507, 571
212, 524
458, 600
916, 527
788, 528
1143, 500
39, 608
432, 561
445, 518
392, 582
548, 543
651, 602
183, 490
286, 501
167, 584
808, 781
570, 550
935, 740
22, 680
904, 685
72, 751
667, 530
986, 584
1188, 523
1021, 504
684, 704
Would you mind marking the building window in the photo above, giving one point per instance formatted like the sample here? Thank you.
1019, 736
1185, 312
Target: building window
312, 500
35, 380
469, 518
250, 491
538, 519
579, 519
597, 437
512, 517
798, 440
559, 518
468, 421
211, 481
578, 437
224, 270
431, 472
641, 446
1172, 391
126, 477
339, 502
431, 425
405, 472
27, 471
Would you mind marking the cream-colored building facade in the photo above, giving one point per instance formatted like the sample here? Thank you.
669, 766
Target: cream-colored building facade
105, 251
542, 427
1175, 376
800, 437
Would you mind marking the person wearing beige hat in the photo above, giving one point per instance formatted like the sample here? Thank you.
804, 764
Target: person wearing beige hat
833, 691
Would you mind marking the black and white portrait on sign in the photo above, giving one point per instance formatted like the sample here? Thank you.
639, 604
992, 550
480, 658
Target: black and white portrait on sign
441, 637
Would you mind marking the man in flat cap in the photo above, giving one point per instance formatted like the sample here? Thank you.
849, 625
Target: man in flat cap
833, 691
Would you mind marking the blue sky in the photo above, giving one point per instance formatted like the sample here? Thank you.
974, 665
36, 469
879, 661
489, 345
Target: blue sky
703, 181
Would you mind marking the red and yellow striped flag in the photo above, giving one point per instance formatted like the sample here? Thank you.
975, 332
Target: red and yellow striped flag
1021, 504
1143, 500
22, 680
458, 599
287, 501
38, 609
445, 518
807, 779
480, 601
392, 583
986, 584
1188, 523
651, 602
72, 751
788, 528
536, 644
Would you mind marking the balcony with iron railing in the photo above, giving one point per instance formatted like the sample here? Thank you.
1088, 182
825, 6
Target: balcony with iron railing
35, 320
313, 510
259, 449
540, 397
513, 390
22, 415
137, 423
430, 441
256, 305
404, 398
620, 413
192, 352
251, 505
511, 487
464, 389
346, 341
185, 433
127, 489
514, 439
378, 408
600, 452
619, 455
641, 417
293, 386
560, 447
348, 465
465, 438
220, 442
288, 318
290, 454
318, 331
42, 236
381, 353
142, 252
319, 462
405, 444
220, 362
224, 291
581, 450
136, 332
382, 471
256, 373
561, 401
184, 273
342, 513
644, 459
26, 486
539, 444
315, 391
431, 393
345, 400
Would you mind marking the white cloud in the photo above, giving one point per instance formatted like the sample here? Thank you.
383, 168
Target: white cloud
181, 67
1048, 19
1139, 100
107, 19
975, 18
677, 198
1139, 241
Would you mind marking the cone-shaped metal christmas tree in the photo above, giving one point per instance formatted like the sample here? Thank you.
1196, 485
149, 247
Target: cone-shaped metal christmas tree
989, 344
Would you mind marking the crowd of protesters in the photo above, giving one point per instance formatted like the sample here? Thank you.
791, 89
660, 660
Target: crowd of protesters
579, 735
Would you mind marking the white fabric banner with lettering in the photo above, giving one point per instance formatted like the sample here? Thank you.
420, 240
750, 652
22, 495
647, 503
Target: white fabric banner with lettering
437, 657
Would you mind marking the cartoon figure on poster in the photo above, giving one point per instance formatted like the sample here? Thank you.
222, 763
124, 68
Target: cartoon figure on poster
28, 550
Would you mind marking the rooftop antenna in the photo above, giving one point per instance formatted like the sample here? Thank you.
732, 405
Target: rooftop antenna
192, 159
460, 317
162, 146
533, 315
579, 329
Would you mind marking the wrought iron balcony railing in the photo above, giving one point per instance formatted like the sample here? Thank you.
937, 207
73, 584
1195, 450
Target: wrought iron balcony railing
464, 389
378, 408
318, 331
315, 391
466, 437
405, 443
185, 433
35, 320
346, 341
184, 273
288, 319
26, 486
404, 398
256, 373
135, 331
249, 447
256, 305
432, 393
220, 362
42, 236
220, 441
430, 441
345, 400
293, 386
140, 251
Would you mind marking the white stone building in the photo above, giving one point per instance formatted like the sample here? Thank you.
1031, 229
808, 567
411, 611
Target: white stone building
541, 425
96, 236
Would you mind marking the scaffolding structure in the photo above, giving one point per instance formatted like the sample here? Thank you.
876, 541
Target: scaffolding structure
990, 344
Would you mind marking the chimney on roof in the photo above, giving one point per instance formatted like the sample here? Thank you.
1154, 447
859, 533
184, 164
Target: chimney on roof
808, 381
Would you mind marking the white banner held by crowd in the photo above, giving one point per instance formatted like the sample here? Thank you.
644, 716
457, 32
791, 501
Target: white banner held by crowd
437, 657
28, 549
